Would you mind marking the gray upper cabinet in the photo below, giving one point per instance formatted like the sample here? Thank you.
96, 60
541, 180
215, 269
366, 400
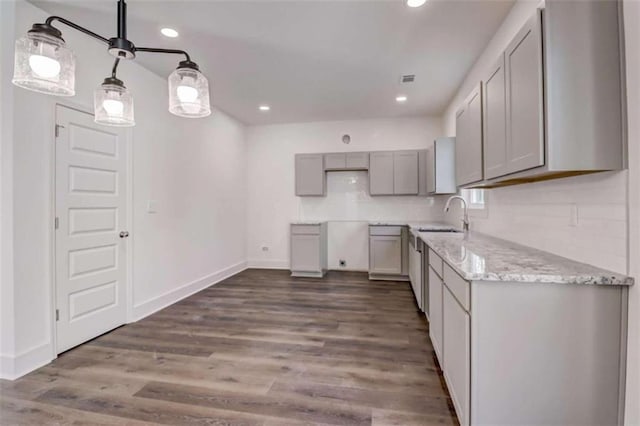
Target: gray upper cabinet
405, 172
524, 94
548, 113
381, 173
337, 161
310, 176
494, 122
440, 167
357, 160
468, 147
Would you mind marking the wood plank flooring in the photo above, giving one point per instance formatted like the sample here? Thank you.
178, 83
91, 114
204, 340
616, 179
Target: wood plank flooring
260, 348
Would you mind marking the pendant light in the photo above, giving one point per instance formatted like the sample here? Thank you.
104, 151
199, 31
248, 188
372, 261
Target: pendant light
188, 91
43, 63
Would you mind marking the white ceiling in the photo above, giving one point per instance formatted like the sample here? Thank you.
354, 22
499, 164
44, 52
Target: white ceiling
309, 60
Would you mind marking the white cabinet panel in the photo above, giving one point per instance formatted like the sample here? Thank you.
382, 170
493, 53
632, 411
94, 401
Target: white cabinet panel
385, 254
495, 122
305, 253
381, 173
457, 354
337, 161
469, 168
310, 176
357, 160
405, 172
523, 59
435, 313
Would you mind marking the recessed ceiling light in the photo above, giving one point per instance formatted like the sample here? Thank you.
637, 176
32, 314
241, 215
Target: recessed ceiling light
169, 32
401, 98
415, 3
264, 107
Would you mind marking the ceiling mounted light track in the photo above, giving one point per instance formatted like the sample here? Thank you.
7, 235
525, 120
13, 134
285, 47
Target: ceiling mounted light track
43, 63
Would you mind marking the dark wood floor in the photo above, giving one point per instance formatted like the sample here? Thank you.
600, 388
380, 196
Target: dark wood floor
260, 348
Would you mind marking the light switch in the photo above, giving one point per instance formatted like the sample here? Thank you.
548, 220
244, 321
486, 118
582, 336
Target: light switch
152, 206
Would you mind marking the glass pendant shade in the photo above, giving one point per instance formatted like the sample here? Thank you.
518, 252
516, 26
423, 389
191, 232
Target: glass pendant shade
44, 64
189, 92
113, 104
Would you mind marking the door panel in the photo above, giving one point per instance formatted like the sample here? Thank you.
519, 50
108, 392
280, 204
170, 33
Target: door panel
469, 168
494, 123
381, 173
385, 254
310, 178
305, 253
435, 313
524, 98
457, 354
90, 205
405, 173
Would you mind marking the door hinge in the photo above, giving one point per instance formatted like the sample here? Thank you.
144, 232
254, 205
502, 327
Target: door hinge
57, 315
57, 222
58, 127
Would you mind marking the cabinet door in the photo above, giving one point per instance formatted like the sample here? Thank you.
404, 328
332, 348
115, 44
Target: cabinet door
385, 254
381, 173
405, 173
336, 161
305, 253
525, 121
310, 176
431, 169
358, 160
457, 354
435, 313
494, 123
469, 168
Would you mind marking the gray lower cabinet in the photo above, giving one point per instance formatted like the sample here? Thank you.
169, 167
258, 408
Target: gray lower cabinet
456, 352
381, 173
310, 175
505, 358
388, 252
308, 250
405, 173
468, 147
385, 254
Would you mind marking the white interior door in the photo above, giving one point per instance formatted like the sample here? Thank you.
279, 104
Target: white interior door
91, 228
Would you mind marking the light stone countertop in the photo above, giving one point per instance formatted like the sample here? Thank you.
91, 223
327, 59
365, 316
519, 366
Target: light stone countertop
480, 257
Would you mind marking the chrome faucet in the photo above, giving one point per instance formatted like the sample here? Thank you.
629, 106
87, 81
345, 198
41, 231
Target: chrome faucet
465, 219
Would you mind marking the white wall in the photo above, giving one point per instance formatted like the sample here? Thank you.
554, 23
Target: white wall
195, 169
272, 204
539, 215
632, 28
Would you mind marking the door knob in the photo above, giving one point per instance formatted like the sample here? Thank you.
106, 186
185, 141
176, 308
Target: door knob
124, 234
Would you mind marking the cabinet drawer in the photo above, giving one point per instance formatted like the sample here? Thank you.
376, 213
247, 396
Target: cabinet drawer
357, 160
458, 286
435, 262
305, 229
385, 230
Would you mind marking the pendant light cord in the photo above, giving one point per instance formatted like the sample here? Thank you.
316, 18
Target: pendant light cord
115, 67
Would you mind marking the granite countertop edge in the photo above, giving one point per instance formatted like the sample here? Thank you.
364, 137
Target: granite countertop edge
487, 248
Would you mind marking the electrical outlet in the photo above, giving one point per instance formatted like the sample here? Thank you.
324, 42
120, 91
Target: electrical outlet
343, 263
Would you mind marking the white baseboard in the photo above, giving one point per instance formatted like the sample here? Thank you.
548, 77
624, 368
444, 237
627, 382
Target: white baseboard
13, 367
147, 308
268, 264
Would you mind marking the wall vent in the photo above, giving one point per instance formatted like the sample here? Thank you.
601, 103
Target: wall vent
407, 78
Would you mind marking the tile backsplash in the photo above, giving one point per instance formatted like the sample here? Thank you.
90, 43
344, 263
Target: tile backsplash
583, 218
347, 198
